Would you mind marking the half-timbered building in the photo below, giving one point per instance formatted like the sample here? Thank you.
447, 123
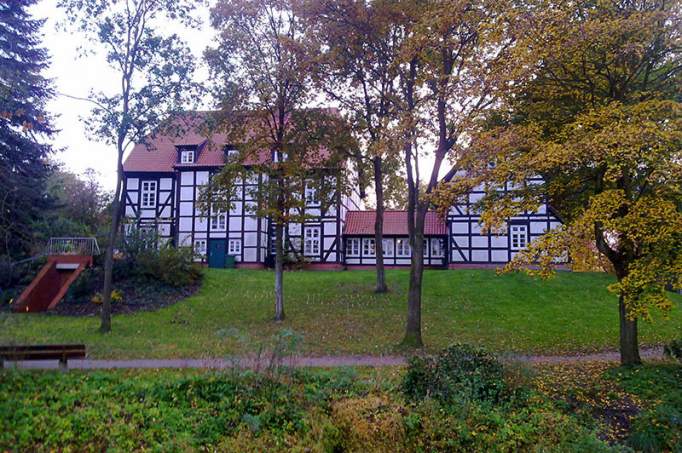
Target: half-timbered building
470, 246
164, 178
360, 241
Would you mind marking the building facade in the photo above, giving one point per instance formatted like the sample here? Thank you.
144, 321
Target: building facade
470, 247
164, 178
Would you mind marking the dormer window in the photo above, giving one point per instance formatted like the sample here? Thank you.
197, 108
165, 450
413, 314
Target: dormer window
279, 156
231, 152
187, 157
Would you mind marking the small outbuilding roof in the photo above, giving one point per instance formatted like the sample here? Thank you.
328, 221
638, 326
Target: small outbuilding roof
395, 223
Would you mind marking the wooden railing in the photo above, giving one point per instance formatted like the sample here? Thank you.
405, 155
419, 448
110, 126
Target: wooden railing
73, 246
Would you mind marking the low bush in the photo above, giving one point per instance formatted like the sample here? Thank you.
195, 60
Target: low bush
458, 373
142, 255
528, 424
14, 277
371, 423
170, 265
657, 429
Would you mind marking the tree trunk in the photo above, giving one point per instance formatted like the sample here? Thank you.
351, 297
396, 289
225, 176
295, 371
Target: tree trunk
415, 224
279, 258
105, 324
629, 344
379, 226
413, 328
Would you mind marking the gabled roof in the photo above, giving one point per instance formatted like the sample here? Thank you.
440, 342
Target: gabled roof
159, 152
395, 223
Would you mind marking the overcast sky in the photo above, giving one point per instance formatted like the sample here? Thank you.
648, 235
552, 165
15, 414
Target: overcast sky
76, 77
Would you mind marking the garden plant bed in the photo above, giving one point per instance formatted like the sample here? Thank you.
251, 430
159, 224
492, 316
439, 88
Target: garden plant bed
138, 295
547, 408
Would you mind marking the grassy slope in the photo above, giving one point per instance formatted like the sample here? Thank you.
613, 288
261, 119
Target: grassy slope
337, 313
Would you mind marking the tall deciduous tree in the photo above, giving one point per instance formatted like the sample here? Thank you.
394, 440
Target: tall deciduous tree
359, 45
155, 72
455, 68
265, 89
24, 124
601, 122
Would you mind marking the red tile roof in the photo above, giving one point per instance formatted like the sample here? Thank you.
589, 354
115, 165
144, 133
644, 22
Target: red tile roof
395, 223
159, 153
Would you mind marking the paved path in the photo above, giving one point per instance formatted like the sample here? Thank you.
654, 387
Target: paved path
321, 362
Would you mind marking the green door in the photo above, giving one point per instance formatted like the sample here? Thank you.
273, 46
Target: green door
216, 253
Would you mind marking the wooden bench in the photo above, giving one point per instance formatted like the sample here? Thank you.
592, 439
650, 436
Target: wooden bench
61, 352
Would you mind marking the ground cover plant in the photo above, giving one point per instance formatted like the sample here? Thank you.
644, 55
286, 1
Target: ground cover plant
302, 410
640, 407
338, 313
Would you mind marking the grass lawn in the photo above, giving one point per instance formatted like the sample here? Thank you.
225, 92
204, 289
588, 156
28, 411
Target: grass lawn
337, 313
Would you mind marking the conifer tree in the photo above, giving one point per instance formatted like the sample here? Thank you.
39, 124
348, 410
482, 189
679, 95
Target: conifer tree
24, 125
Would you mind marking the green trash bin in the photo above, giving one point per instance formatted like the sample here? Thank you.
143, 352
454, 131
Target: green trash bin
230, 262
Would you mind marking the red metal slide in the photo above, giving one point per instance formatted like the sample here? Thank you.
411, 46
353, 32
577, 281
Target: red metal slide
67, 258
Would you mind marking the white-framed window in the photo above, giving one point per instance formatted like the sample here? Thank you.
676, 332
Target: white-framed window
311, 194
387, 246
437, 248
218, 219
148, 194
311, 244
280, 156
353, 247
368, 248
402, 247
234, 246
200, 247
519, 236
231, 153
187, 157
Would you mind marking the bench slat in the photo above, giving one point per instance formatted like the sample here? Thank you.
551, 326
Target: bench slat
42, 352
43, 356
63, 347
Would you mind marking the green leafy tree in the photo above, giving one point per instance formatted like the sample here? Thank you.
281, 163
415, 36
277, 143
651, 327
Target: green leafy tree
359, 47
80, 198
24, 125
455, 68
263, 68
155, 71
600, 120
80, 207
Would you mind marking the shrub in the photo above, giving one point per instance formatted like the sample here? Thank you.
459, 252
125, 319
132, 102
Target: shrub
89, 282
658, 429
15, 276
173, 266
460, 372
372, 423
674, 349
